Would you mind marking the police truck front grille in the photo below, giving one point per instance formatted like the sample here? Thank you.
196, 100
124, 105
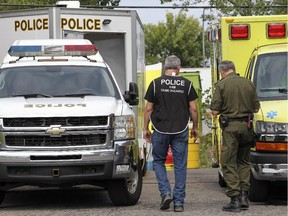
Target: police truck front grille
48, 141
63, 121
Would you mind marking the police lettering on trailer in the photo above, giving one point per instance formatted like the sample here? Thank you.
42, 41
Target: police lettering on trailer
80, 24
71, 23
169, 88
31, 25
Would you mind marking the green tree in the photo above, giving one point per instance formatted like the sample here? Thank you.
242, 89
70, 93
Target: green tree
236, 7
179, 35
20, 4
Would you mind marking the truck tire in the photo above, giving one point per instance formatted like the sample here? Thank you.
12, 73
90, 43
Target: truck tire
221, 180
126, 192
2, 196
258, 190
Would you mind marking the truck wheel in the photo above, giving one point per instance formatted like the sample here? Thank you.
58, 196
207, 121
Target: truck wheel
2, 196
126, 192
221, 180
258, 190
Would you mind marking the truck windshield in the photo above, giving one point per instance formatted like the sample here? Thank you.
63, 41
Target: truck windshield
271, 76
57, 81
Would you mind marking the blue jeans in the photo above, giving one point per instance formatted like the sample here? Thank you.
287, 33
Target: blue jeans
179, 146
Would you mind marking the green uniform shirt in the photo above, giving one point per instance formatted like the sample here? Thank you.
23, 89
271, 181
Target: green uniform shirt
235, 96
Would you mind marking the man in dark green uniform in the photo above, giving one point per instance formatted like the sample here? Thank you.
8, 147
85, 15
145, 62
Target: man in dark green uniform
235, 98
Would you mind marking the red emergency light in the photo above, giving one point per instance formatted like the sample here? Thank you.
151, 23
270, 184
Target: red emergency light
276, 30
238, 32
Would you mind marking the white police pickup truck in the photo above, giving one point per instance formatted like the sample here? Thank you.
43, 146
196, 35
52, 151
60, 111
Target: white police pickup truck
64, 121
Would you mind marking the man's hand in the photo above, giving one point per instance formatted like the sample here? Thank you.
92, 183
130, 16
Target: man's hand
147, 135
194, 133
215, 112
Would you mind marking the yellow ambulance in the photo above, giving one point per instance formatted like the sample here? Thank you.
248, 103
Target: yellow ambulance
258, 46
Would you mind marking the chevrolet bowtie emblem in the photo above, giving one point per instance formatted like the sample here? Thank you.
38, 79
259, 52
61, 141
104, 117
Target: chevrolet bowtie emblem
55, 130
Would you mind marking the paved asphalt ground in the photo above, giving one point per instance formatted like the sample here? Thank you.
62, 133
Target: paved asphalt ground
204, 197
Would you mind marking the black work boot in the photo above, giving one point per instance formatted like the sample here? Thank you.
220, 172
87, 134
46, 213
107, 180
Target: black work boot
243, 197
233, 206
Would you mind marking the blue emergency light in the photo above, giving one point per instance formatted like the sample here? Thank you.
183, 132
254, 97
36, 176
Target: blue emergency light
52, 50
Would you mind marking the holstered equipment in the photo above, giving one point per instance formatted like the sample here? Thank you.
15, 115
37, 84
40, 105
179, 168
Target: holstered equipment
223, 121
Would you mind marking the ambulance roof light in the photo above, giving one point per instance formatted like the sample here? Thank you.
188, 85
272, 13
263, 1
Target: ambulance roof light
53, 50
239, 32
276, 30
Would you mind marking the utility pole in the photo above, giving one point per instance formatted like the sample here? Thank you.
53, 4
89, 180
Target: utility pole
203, 38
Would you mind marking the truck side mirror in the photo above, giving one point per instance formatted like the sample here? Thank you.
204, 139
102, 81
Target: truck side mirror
132, 96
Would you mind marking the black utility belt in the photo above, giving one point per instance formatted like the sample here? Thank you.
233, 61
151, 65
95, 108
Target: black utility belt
225, 120
244, 119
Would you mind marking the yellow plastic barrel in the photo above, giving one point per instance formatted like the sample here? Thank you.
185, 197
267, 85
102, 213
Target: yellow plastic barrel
193, 161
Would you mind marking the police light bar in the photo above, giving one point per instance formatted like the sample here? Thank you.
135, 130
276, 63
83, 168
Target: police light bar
276, 30
53, 50
238, 32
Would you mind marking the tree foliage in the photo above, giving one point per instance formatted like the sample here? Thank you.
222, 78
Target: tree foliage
239, 7
179, 35
19, 4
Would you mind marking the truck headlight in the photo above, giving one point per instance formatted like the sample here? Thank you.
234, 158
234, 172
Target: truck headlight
271, 127
124, 127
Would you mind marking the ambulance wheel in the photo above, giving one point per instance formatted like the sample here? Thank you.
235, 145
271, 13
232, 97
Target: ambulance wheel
126, 192
258, 190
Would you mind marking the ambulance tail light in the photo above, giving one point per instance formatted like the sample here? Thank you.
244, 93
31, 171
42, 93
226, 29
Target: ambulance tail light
276, 30
239, 32
53, 50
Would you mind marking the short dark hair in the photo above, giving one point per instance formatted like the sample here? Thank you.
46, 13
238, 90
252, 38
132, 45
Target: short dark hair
172, 62
226, 66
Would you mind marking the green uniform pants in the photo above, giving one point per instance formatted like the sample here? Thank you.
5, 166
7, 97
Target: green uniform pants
235, 157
